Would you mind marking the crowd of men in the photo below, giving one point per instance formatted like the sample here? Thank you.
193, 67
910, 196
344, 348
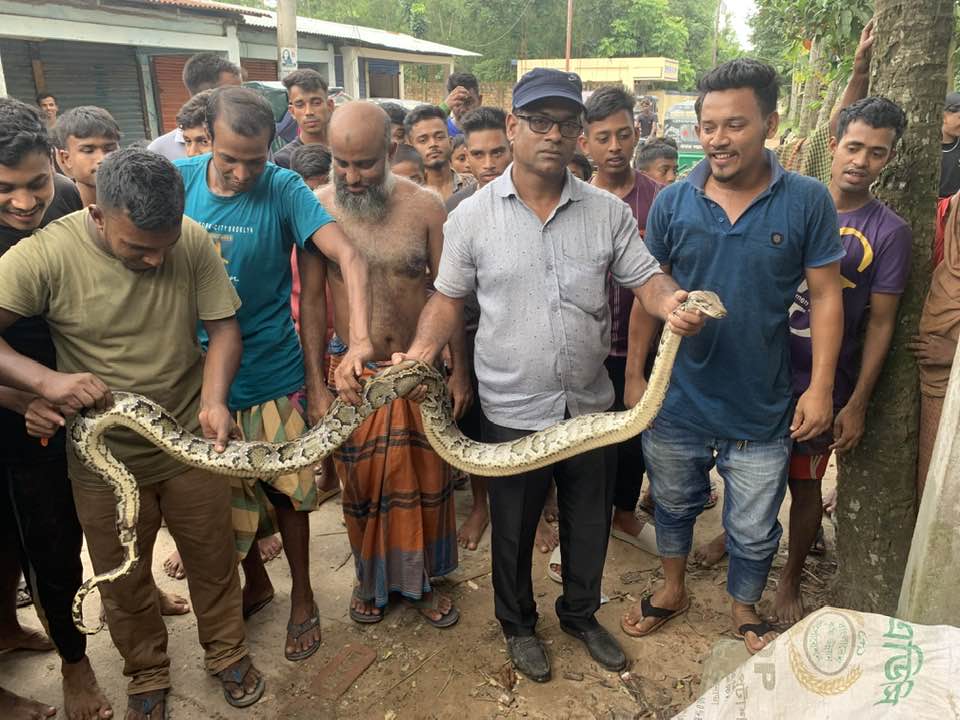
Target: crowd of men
537, 259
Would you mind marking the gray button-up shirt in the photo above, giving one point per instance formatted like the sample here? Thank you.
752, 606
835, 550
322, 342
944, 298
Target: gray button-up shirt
545, 321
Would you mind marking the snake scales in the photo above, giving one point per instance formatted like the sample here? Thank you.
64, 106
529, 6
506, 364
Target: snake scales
267, 460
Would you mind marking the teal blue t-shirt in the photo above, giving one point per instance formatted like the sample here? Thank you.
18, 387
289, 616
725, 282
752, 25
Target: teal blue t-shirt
255, 232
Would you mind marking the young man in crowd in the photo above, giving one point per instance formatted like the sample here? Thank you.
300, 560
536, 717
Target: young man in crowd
657, 159
47, 102
38, 518
458, 159
202, 71
875, 268
85, 136
540, 283
311, 108
406, 162
192, 122
427, 132
397, 226
397, 115
257, 213
132, 261
646, 123
950, 148
750, 231
463, 95
609, 139
312, 163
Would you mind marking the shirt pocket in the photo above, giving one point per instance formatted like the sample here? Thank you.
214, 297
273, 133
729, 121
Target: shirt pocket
583, 283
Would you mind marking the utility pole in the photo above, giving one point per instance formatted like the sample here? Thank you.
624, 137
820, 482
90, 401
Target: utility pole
569, 33
286, 37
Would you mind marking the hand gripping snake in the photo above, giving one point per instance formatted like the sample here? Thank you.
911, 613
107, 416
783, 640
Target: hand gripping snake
269, 460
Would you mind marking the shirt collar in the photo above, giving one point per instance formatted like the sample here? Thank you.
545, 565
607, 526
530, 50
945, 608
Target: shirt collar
503, 186
701, 172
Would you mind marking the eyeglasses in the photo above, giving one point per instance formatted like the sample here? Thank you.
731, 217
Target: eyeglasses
541, 124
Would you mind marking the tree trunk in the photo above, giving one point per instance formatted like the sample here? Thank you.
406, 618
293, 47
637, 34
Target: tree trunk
794, 95
877, 481
811, 91
829, 100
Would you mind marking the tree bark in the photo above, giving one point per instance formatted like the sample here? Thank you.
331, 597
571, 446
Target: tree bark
811, 90
877, 481
829, 100
795, 86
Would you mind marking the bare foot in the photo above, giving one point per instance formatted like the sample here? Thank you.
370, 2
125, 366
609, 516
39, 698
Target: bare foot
713, 552
25, 639
364, 607
551, 512
746, 614
667, 599
547, 537
302, 611
15, 707
472, 529
172, 604
82, 697
173, 566
627, 522
270, 547
788, 604
444, 606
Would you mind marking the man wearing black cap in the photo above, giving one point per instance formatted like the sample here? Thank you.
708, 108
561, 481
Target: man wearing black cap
950, 160
537, 246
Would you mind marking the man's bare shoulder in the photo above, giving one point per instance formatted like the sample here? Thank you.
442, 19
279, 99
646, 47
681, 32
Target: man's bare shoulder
417, 200
326, 195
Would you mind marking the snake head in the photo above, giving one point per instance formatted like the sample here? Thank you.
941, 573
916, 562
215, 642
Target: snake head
706, 302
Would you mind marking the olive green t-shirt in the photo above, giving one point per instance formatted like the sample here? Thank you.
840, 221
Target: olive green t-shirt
136, 331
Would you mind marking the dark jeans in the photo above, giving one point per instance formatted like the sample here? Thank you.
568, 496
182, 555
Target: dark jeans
38, 520
584, 496
630, 465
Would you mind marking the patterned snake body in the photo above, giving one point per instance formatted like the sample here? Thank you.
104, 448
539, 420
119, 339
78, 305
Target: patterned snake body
269, 460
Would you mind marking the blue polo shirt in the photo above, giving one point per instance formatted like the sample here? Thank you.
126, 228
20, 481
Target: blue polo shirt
452, 128
733, 379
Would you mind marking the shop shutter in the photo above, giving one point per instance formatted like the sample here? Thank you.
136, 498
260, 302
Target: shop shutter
169, 92
260, 70
96, 74
17, 71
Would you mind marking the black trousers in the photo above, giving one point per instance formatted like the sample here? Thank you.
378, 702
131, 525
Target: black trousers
630, 465
38, 520
584, 497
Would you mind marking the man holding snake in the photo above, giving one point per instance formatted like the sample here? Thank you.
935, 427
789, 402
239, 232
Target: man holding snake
536, 245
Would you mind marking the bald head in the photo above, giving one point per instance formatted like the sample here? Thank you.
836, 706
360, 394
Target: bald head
360, 127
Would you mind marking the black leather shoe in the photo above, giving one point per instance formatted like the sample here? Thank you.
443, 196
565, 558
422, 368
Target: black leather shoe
529, 657
601, 646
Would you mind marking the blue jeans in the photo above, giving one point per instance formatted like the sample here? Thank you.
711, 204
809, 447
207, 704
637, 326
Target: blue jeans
755, 480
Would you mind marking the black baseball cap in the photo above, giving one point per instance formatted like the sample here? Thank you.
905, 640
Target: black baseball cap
547, 83
952, 103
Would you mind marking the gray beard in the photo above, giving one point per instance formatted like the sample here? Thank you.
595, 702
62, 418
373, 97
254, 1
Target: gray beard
371, 205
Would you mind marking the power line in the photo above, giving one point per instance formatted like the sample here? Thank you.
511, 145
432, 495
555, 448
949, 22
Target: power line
509, 29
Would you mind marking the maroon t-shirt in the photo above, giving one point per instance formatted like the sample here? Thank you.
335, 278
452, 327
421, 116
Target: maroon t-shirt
640, 198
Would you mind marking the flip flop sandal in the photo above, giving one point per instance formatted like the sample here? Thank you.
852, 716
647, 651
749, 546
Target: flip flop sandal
648, 610
647, 504
257, 607
296, 630
645, 540
555, 559
759, 629
450, 619
146, 703
24, 598
363, 618
236, 675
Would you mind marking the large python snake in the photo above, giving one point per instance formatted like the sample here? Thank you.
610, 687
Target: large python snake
269, 460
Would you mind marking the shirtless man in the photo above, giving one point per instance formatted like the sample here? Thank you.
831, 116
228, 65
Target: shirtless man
397, 226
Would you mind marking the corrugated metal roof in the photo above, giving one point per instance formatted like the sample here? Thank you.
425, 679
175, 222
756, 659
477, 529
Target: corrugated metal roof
205, 5
357, 34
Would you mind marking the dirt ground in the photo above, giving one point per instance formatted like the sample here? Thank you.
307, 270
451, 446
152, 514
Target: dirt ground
421, 672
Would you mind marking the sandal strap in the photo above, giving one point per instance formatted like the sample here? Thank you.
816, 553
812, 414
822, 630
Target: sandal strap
237, 673
650, 610
759, 629
146, 703
298, 629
